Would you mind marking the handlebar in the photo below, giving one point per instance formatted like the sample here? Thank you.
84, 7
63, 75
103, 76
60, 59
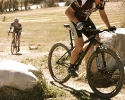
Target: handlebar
12, 32
96, 31
9, 32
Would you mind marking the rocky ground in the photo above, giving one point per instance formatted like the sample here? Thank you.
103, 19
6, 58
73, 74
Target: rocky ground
79, 89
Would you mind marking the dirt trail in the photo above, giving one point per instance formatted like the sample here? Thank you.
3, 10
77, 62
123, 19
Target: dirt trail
79, 86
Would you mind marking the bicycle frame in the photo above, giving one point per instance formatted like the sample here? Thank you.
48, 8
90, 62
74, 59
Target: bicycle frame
104, 70
14, 42
92, 41
16, 34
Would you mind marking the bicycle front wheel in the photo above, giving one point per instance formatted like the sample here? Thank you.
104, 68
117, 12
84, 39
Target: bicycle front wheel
14, 47
58, 62
107, 80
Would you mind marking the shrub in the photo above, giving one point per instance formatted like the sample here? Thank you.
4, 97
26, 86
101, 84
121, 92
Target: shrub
49, 3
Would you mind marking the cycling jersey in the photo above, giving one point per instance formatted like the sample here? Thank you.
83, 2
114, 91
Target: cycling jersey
17, 27
81, 14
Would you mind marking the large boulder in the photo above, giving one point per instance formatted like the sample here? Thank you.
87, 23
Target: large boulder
114, 41
17, 75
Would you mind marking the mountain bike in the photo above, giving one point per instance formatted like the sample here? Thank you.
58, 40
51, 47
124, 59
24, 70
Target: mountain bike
105, 72
14, 43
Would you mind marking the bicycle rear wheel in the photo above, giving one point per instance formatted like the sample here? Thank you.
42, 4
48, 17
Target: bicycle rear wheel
107, 82
14, 47
58, 62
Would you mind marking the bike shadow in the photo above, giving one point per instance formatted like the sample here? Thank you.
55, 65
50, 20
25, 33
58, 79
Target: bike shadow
18, 54
79, 94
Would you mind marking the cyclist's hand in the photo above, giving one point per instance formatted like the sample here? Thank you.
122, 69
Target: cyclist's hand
79, 25
112, 28
8, 30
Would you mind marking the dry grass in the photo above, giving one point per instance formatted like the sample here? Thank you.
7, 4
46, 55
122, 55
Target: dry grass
44, 27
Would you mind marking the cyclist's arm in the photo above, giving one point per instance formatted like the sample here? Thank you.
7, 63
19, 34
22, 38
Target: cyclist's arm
20, 27
104, 17
102, 13
70, 13
11, 25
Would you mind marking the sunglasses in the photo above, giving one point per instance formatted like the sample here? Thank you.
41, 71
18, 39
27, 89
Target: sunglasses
16, 21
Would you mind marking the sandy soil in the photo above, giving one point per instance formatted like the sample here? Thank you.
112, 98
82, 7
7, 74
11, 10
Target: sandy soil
79, 86
69, 86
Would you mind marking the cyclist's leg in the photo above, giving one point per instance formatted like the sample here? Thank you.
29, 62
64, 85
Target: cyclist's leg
79, 43
19, 36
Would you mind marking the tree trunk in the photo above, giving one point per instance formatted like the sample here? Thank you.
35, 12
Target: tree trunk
26, 4
1, 6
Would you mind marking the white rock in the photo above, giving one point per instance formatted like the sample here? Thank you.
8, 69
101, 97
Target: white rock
16, 74
114, 41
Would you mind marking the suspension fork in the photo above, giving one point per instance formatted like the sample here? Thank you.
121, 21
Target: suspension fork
103, 58
96, 55
97, 60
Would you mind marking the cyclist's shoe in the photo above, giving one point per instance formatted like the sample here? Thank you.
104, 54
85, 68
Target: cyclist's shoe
18, 49
72, 72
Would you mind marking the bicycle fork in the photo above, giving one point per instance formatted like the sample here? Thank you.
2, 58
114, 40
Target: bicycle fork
15, 42
98, 61
97, 57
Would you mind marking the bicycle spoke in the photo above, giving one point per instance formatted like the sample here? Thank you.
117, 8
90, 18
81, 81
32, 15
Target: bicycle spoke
13, 47
60, 68
105, 77
107, 81
58, 62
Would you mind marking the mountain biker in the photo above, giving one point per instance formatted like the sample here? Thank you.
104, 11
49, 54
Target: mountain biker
16, 28
77, 14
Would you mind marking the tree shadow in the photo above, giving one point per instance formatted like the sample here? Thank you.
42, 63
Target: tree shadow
79, 94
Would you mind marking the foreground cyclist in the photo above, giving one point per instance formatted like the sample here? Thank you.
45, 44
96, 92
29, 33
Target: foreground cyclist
17, 28
77, 13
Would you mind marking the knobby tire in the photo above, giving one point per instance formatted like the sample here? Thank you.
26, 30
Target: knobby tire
58, 62
14, 47
109, 82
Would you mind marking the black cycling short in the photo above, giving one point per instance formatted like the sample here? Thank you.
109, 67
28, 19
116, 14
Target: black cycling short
78, 33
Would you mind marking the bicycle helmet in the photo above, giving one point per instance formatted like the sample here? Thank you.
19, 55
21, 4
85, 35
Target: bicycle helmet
16, 19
